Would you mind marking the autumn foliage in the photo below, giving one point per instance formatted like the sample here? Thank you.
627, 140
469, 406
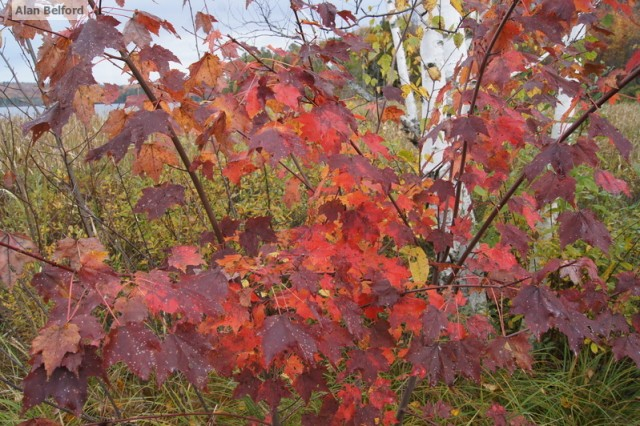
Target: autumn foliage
370, 283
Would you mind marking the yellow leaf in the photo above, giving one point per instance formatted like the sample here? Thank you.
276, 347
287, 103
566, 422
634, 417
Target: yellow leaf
424, 92
418, 263
455, 412
406, 89
490, 387
564, 401
429, 5
457, 5
534, 91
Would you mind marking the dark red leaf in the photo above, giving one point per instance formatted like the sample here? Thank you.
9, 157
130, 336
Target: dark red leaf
539, 307
559, 155
601, 127
386, 293
628, 281
369, 363
311, 381
360, 168
352, 317
551, 186
466, 354
433, 362
187, 351
279, 141
159, 56
135, 345
498, 414
509, 353
326, 415
627, 346
53, 119
138, 127
257, 229
97, 35
192, 297
248, 384
434, 321
66, 388
155, 201
280, 334
327, 12
467, 128
303, 279
583, 225
515, 237
272, 391
392, 94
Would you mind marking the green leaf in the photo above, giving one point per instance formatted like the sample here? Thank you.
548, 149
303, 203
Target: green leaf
458, 38
385, 63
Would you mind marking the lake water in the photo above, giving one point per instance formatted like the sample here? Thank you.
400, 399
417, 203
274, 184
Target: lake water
28, 111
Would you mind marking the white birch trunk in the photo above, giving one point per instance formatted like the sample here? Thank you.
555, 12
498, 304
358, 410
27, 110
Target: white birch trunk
411, 108
438, 49
561, 115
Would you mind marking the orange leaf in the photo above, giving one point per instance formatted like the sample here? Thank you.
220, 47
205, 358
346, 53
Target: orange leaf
152, 158
392, 113
54, 342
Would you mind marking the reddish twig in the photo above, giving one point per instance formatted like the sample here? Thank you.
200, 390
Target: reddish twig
36, 256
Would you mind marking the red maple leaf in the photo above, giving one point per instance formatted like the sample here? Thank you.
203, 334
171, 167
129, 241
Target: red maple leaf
583, 225
155, 201
280, 333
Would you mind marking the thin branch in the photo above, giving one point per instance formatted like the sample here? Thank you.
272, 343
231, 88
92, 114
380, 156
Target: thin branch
182, 153
37, 257
253, 55
307, 183
478, 286
26, 24
474, 98
635, 73
406, 398
301, 30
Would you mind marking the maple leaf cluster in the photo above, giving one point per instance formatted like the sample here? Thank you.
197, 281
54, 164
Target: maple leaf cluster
342, 298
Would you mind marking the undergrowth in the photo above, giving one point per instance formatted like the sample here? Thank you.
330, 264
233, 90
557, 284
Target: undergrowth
563, 389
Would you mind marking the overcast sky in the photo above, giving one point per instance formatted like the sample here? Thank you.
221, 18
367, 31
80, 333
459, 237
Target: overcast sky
243, 23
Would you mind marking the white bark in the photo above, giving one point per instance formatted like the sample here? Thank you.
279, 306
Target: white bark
438, 48
411, 108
